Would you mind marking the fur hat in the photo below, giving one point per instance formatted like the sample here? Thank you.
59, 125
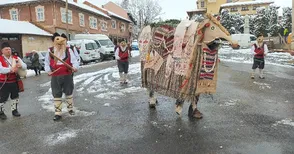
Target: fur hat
5, 44
54, 35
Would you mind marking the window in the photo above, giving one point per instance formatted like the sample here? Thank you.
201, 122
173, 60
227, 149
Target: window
122, 27
93, 22
113, 24
91, 46
103, 25
202, 4
255, 7
63, 15
234, 9
40, 13
245, 8
13, 14
82, 19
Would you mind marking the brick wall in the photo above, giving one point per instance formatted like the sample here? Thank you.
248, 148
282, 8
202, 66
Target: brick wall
53, 20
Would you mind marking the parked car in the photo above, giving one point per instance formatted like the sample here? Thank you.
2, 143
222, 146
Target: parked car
135, 45
244, 40
28, 59
105, 45
89, 50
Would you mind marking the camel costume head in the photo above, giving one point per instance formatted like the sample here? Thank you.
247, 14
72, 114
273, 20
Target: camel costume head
59, 44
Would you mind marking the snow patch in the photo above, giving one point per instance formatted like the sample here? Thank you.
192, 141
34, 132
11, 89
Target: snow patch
262, 85
230, 103
60, 137
287, 121
47, 104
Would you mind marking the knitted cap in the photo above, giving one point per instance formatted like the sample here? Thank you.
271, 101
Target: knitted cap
4, 45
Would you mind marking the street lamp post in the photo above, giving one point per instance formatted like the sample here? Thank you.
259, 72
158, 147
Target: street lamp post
292, 39
66, 10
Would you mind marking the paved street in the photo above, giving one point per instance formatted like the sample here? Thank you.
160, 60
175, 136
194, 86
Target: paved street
245, 116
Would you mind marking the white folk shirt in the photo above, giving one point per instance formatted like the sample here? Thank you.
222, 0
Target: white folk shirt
6, 70
73, 60
264, 47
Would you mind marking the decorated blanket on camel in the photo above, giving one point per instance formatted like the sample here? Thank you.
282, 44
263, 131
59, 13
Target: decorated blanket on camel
181, 62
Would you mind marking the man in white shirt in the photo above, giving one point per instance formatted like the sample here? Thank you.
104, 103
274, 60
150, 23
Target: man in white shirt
62, 79
8, 79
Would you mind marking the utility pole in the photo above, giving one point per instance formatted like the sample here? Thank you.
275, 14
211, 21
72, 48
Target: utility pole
292, 39
66, 10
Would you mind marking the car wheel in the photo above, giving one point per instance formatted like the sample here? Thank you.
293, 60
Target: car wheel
102, 57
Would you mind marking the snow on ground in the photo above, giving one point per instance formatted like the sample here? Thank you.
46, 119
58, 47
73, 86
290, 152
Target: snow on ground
263, 86
287, 121
245, 56
60, 137
104, 84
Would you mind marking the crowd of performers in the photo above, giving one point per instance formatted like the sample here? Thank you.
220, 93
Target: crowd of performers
61, 62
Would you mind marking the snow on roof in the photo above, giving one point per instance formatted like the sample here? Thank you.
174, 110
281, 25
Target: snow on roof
118, 16
80, 5
20, 27
86, 7
197, 10
248, 3
5, 2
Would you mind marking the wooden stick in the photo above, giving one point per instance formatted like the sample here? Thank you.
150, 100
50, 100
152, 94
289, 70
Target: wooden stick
66, 64
54, 71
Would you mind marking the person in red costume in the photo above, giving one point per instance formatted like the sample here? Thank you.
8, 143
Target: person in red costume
122, 55
259, 50
9, 65
61, 75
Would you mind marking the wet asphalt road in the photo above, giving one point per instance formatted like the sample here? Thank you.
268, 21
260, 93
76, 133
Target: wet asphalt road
245, 117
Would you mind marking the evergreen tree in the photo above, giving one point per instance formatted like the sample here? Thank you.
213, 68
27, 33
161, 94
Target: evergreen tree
261, 22
287, 18
251, 24
237, 22
225, 19
272, 15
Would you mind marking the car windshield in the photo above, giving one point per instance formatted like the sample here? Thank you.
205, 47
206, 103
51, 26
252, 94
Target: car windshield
105, 42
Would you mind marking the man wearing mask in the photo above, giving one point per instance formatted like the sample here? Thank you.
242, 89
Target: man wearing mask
8, 79
259, 50
122, 54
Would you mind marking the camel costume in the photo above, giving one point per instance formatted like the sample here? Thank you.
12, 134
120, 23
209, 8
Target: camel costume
62, 79
182, 61
259, 50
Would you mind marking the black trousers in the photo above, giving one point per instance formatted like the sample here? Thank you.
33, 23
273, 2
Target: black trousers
37, 70
62, 84
123, 66
258, 63
8, 89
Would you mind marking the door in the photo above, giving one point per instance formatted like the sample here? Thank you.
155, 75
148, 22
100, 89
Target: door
14, 41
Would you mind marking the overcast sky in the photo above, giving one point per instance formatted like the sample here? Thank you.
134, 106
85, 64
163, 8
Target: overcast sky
177, 8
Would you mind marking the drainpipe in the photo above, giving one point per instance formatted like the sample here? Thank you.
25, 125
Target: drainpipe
31, 20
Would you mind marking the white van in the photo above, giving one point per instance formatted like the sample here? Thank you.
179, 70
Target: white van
88, 50
105, 45
244, 40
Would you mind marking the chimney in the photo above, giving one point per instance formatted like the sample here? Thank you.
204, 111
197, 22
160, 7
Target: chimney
76, 1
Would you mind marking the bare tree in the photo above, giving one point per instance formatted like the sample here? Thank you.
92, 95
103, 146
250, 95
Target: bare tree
144, 12
125, 4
